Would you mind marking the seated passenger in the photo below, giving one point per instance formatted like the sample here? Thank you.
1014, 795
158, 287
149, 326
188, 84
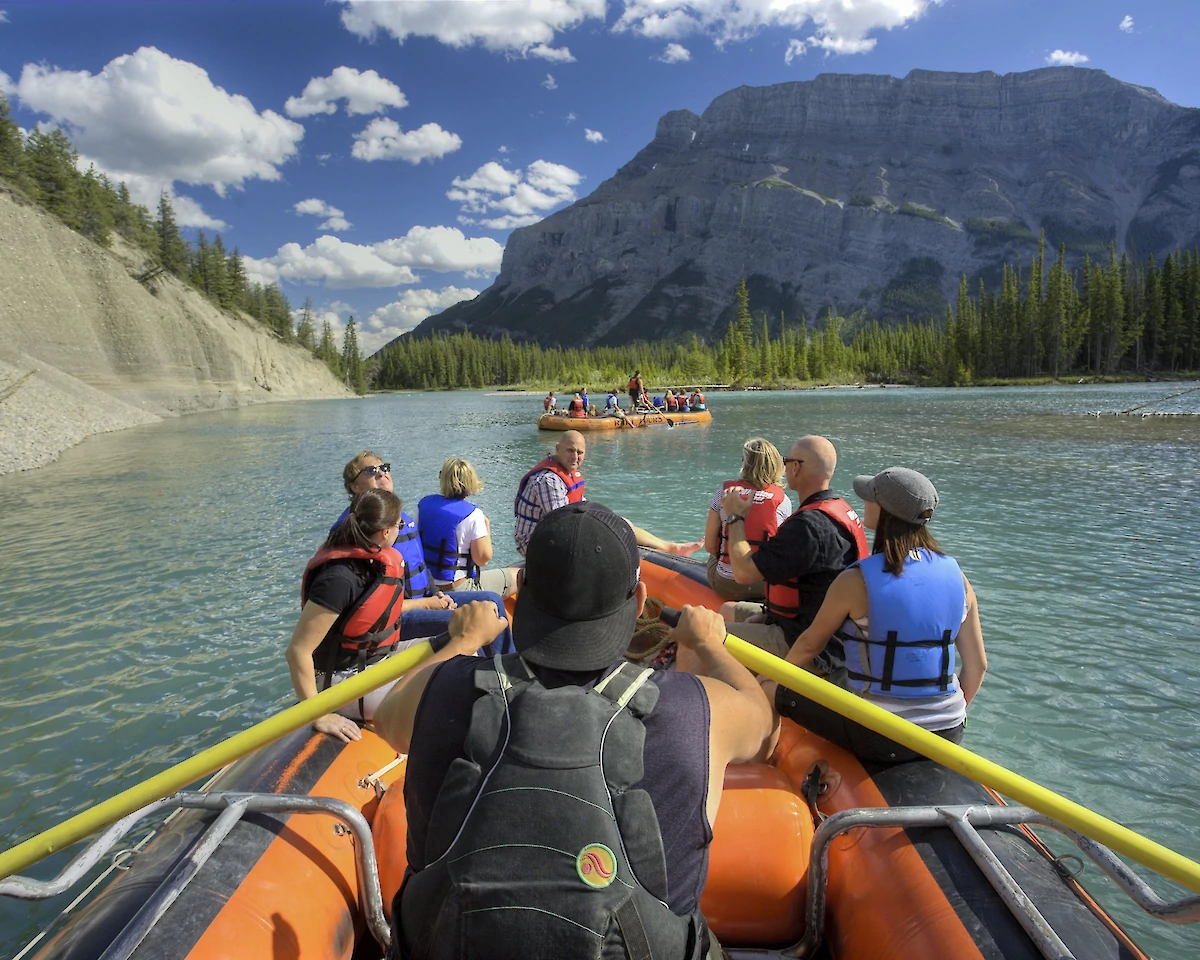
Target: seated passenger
762, 472
611, 404
576, 408
457, 536
681, 399
351, 596
657, 402
584, 397
901, 615
697, 400
426, 610
550, 403
672, 403
499, 759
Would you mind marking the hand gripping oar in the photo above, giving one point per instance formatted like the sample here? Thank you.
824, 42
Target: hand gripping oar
1079, 818
214, 758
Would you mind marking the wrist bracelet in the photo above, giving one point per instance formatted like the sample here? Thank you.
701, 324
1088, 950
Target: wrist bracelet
735, 517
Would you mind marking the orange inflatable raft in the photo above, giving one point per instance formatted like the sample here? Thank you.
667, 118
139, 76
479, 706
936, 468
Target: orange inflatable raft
558, 421
302, 885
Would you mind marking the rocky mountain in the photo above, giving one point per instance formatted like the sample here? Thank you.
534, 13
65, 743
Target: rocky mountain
85, 348
851, 192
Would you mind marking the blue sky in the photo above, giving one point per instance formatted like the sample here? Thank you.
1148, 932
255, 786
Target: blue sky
376, 155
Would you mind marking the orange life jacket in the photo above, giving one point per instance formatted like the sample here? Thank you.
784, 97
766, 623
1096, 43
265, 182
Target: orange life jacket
576, 409
372, 622
573, 481
762, 520
697, 398
783, 600
633, 385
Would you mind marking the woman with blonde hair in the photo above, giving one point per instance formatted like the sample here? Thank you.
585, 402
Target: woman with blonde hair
457, 535
762, 470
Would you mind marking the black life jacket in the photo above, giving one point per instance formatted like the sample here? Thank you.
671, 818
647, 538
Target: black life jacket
538, 847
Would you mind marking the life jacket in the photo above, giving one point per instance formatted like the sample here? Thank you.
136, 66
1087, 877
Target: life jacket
438, 518
912, 622
783, 600
610, 402
546, 403
371, 624
697, 399
577, 409
633, 385
672, 403
408, 543
538, 837
532, 511
761, 522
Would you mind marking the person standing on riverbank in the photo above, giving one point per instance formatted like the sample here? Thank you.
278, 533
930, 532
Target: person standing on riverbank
809, 550
902, 615
556, 481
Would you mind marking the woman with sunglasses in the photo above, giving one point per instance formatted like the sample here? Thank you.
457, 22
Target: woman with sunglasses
762, 471
352, 595
427, 610
904, 615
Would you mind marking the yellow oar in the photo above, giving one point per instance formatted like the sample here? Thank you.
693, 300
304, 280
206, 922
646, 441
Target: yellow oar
189, 771
1091, 824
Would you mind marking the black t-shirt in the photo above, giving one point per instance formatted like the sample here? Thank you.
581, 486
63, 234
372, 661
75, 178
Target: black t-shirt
675, 763
339, 583
811, 548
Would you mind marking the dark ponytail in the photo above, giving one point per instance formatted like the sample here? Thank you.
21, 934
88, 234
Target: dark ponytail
370, 511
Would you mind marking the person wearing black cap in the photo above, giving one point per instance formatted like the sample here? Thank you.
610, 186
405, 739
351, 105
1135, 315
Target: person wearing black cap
902, 615
561, 799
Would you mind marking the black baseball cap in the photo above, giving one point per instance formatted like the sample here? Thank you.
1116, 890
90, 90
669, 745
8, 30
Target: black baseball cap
576, 609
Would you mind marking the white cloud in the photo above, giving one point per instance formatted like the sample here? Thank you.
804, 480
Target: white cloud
503, 150
189, 213
146, 190
413, 306
838, 26
593, 136
148, 114
519, 29
1066, 58
508, 198
382, 139
1126, 24
796, 48
365, 92
675, 53
571, 118
550, 83
3, 16
6, 85
336, 219
322, 157
343, 266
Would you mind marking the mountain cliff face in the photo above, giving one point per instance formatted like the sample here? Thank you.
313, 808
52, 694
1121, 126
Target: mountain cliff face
849, 191
86, 349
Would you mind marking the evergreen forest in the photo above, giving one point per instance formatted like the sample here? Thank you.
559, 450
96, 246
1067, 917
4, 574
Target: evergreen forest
44, 168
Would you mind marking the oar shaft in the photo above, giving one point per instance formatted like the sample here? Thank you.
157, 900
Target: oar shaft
1091, 824
214, 758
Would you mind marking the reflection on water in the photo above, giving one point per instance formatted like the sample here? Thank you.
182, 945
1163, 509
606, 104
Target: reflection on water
150, 577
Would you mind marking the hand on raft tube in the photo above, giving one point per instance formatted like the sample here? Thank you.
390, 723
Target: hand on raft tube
338, 726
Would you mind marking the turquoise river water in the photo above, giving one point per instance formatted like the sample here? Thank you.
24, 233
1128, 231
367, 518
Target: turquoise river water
149, 579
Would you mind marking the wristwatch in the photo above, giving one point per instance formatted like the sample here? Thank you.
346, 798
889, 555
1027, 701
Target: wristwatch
736, 517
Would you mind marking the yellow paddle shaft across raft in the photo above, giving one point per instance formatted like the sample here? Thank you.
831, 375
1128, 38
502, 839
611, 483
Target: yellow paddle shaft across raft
1091, 824
207, 761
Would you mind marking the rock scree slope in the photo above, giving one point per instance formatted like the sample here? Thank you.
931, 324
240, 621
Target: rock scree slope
849, 191
85, 348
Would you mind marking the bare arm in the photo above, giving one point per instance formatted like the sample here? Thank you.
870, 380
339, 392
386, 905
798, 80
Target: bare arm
742, 721
646, 539
314, 623
846, 597
969, 645
481, 551
712, 532
471, 627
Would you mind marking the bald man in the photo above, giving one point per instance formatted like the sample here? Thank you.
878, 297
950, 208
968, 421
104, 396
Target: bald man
810, 548
557, 481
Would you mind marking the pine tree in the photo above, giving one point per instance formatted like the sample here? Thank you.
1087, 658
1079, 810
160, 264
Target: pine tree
50, 163
96, 207
172, 250
306, 332
13, 167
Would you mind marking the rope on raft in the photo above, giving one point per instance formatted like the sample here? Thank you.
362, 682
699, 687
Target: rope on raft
650, 645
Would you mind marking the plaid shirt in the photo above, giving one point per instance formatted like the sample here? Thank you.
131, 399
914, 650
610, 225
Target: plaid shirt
546, 491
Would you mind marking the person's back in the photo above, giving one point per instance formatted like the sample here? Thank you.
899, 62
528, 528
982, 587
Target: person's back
576, 407
557, 713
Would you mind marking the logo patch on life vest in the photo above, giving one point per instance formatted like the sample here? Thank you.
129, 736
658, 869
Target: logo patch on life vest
596, 865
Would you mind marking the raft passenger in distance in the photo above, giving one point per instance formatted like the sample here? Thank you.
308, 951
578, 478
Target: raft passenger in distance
457, 536
901, 615
762, 473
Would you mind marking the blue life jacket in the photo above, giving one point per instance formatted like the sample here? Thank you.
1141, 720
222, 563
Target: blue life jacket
408, 544
438, 518
912, 622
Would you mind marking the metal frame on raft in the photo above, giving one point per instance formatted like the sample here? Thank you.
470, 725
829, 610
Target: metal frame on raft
962, 820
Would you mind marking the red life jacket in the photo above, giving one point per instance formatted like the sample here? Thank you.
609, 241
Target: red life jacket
576, 409
633, 385
762, 520
697, 398
783, 600
372, 622
532, 511
672, 403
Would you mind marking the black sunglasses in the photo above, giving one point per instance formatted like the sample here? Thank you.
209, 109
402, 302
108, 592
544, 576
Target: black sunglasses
374, 470
787, 460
